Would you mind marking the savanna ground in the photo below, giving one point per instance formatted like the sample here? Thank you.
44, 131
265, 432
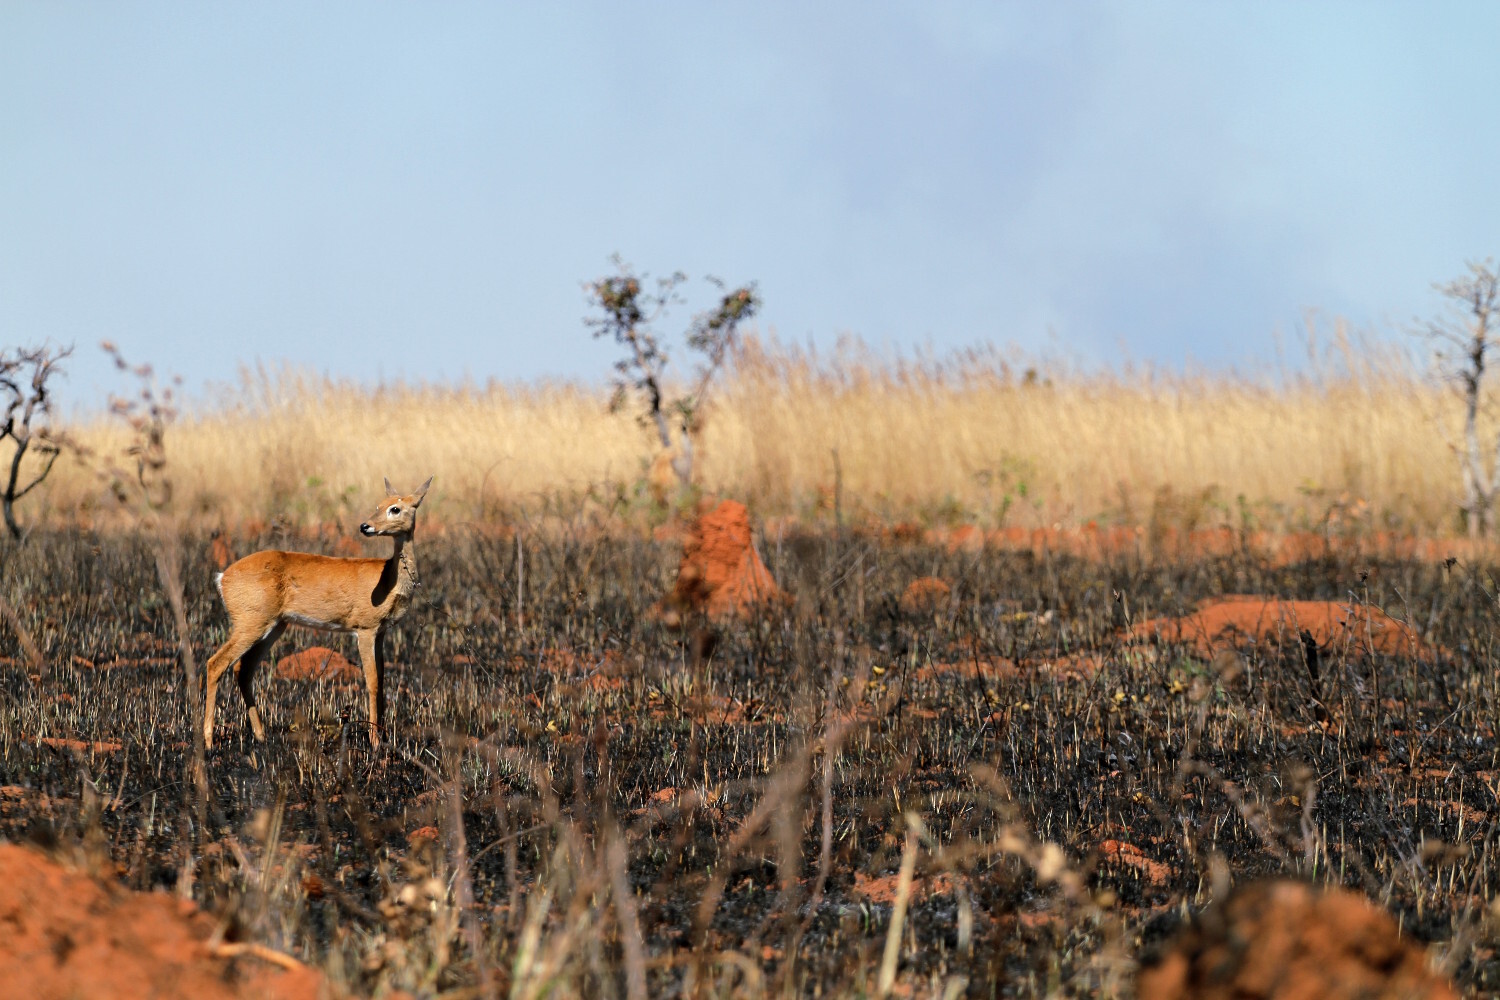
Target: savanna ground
577, 801
1018, 782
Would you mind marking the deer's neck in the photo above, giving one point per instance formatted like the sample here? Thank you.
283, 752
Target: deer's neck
404, 558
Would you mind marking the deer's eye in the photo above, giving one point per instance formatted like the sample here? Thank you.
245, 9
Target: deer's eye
394, 512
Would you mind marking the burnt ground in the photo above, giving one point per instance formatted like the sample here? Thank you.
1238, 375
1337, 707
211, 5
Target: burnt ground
1065, 792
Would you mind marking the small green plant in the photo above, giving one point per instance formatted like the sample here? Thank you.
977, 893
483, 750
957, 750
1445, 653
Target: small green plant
1013, 476
629, 311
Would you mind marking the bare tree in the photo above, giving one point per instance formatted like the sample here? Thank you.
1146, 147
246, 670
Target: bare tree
25, 409
629, 312
1464, 340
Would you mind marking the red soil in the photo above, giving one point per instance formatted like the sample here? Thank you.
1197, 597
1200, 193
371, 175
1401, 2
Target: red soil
319, 663
422, 835
1125, 853
883, 888
1105, 543
965, 538
1239, 620
1289, 940
924, 596
82, 746
721, 574
19, 808
69, 935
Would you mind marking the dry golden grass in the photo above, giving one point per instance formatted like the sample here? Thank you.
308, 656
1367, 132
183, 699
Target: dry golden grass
970, 438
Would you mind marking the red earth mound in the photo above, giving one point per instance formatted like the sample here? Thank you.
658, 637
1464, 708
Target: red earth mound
1240, 620
319, 663
1289, 940
924, 595
721, 574
69, 935
1125, 853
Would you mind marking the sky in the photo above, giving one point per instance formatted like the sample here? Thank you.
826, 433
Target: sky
420, 191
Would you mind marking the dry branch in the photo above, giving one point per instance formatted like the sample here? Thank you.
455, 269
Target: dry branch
26, 402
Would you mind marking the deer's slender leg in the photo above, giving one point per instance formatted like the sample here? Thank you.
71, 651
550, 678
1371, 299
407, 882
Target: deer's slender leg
244, 672
374, 666
240, 640
380, 678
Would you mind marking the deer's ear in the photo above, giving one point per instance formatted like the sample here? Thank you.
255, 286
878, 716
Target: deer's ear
390, 490
422, 491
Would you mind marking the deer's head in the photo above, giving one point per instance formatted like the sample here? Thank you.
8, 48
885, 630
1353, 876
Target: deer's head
397, 515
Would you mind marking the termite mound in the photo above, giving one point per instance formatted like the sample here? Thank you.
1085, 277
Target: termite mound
721, 575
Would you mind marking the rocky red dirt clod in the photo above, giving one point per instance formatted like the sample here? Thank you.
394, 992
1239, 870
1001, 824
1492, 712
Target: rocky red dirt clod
1279, 940
69, 935
318, 663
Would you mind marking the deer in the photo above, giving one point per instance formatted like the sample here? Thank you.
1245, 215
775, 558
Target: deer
269, 590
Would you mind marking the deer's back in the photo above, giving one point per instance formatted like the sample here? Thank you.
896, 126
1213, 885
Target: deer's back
300, 586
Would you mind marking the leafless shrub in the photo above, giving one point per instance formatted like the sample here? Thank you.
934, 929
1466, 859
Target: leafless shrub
1463, 342
25, 411
629, 311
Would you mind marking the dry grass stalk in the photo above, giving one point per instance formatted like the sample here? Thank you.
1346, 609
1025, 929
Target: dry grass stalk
237, 949
967, 438
898, 913
624, 899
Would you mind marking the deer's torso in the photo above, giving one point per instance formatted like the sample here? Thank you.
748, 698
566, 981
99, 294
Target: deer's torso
322, 592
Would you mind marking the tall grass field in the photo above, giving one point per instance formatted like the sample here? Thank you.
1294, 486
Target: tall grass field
977, 437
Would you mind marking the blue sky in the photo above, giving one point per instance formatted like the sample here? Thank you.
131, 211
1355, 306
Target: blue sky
419, 191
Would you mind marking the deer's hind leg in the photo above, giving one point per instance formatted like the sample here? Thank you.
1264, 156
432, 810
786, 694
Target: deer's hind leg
244, 672
238, 643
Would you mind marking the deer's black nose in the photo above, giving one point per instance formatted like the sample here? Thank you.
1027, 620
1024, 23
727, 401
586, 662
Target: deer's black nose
365, 529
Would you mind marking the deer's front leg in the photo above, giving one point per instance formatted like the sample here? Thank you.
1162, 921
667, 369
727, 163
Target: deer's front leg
374, 667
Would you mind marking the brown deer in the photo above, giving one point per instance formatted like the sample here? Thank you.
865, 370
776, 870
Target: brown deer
267, 591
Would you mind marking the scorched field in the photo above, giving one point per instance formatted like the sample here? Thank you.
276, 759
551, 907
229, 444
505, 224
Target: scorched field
897, 764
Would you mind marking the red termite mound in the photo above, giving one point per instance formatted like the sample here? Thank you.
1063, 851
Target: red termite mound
318, 663
721, 575
1240, 620
69, 935
925, 595
1287, 940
